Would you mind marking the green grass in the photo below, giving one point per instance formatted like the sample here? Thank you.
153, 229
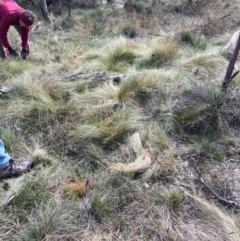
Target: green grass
50, 221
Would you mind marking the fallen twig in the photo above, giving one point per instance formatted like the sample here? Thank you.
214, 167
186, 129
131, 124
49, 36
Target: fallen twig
202, 26
213, 21
93, 76
228, 203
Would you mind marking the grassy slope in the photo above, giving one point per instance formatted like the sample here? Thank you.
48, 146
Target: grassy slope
168, 112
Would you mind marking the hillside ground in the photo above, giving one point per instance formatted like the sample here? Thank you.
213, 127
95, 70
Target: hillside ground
122, 112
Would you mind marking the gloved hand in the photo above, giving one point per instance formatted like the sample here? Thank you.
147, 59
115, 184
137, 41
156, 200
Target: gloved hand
13, 52
24, 53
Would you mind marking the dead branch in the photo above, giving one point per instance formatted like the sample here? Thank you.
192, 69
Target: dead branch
94, 76
228, 77
213, 21
193, 30
228, 203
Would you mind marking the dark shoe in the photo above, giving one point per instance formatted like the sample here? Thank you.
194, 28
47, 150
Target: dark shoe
15, 168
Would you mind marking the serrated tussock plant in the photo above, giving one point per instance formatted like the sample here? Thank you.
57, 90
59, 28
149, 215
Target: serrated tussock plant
31, 193
51, 222
175, 200
106, 130
118, 55
102, 208
210, 150
125, 93
158, 54
14, 142
204, 64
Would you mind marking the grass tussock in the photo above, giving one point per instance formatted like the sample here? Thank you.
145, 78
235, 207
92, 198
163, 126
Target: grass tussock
118, 55
161, 54
108, 130
51, 222
204, 64
131, 91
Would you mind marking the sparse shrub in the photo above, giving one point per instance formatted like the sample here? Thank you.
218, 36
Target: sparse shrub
197, 6
189, 38
129, 31
137, 5
63, 23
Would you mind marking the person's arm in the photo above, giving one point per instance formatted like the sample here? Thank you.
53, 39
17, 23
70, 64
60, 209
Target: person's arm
25, 36
4, 27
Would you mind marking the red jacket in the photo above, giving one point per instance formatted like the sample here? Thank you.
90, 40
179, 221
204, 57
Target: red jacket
9, 15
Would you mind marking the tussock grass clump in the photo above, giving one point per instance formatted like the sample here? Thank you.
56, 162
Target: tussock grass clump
35, 89
175, 200
106, 130
40, 156
131, 91
51, 222
118, 55
41, 104
40, 115
198, 112
190, 39
197, 119
204, 64
96, 156
210, 150
158, 137
129, 31
136, 134
102, 208
30, 195
13, 68
14, 142
161, 53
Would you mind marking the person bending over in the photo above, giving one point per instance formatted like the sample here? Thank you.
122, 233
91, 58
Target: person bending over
11, 14
10, 167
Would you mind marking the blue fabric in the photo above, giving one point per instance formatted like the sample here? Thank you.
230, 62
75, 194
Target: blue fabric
4, 157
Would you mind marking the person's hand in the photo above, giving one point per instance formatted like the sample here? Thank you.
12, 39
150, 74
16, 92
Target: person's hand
24, 53
13, 52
